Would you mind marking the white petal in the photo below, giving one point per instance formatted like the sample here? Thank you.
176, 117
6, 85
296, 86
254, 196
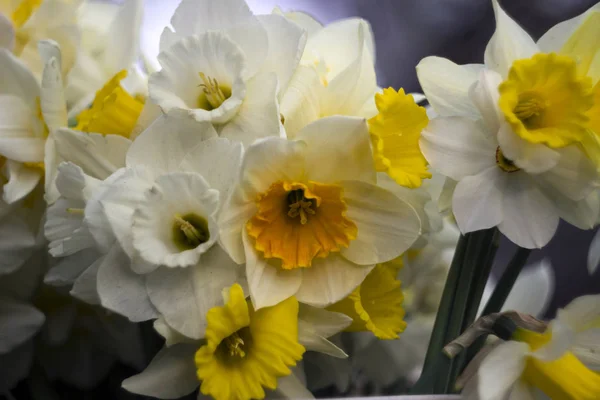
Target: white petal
555, 37
165, 143
534, 158
232, 221
446, 86
457, 147
581, 313
329, 280
300, 104
387, 226
16, 118
268, 284
252, 38
98, 155
331, 142
286, 44
195, 16
16, 79
500, 370
7, 33
348, 91
52, 96
121, 290
177, 86
18, 323
533, 290
218, 161
170, 375
183, 296
302, 19
477, 200
583, 213
22, 149
530, 219
484, 94
315, 325
85, 287
178, 193
21, 181
68, 269
258, 115
341, 44
521, 390
563, 337
17, 242
150, 113
509, 43
587, 348
292, 388
123, 41
574, 175
170, 335
593, 258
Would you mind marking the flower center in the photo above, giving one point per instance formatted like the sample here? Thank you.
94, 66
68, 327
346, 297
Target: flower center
213, 94
297, 222
545, 100
530, 105
234, 346
300, 205
113, 111
504, 163
189, 231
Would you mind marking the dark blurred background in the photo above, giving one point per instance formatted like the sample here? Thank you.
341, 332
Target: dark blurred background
405, 31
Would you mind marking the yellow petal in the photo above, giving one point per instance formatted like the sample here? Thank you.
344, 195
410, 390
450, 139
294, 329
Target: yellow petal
296, 230
23, 11
584, 46
546, 101
269, 338
114, 111
395, 133
376, 305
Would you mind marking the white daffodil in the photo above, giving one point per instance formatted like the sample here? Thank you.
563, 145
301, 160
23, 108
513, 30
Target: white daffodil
222, 64
336, 76
30, 114
246, 352
492, 190
110, 42
23, 23
593, 259
154, 221
309, 224
558, 361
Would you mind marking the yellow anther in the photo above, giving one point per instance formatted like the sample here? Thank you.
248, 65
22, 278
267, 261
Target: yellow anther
299, 205
79, 211
210, 87
235, 345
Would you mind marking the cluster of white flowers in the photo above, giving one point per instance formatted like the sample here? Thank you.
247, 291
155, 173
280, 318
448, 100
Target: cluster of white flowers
259, 193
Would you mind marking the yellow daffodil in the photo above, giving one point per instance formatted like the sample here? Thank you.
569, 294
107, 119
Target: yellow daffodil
395, 133
376, 305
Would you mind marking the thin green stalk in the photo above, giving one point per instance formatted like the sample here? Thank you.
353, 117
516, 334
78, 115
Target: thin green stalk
470, 265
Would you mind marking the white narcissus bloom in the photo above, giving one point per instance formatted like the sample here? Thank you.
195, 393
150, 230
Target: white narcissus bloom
559, 361
24, 23
110, 42
155, 222
246, 352
223, 65
336, 75
537, 115
30, 114
309, 224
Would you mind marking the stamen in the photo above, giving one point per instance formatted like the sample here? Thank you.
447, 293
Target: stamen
299, 205
213, 92
235, 345
193, 236
79, 211
530, 105
504, 163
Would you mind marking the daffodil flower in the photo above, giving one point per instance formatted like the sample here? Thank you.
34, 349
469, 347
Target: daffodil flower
247, 352
307, 218
30, 114
223, 65
23, 23
559, 361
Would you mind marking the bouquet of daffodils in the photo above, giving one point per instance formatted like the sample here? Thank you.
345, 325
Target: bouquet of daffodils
258, 194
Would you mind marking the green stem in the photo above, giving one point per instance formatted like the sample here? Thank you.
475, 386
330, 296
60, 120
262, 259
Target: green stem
467, 276
507, 281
